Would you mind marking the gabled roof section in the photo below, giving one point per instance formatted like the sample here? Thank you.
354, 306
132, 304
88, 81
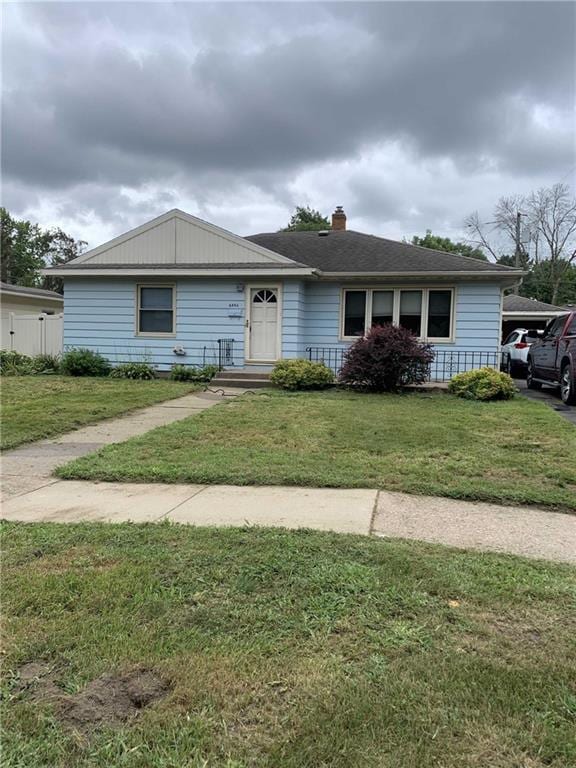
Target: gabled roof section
22, 290
513, 303
349, 252
177, 238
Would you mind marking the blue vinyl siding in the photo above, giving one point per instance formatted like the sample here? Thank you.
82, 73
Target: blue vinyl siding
477, 309
100, 313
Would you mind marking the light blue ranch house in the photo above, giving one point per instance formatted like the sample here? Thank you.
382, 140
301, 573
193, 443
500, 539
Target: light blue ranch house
180, 290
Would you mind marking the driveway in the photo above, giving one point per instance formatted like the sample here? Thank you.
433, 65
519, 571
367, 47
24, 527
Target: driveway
550, 396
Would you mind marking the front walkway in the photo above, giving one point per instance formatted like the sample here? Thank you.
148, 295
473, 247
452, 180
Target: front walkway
32, 494
31, 466
518, 530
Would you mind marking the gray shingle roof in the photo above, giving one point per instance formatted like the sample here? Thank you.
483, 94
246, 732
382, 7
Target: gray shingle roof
41, 293
351, 251
513, 303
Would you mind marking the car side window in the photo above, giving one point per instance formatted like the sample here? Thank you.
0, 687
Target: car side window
554, 327
512, 338
571, 330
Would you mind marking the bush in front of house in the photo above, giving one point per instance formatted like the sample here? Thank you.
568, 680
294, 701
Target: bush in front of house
385, 360
140, 371
200, 374
43, 364
17, 364
483, 384
84, 362
301, 374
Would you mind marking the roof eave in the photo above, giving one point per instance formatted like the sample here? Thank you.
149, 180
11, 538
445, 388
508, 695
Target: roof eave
515, 275
140, 271
518, 314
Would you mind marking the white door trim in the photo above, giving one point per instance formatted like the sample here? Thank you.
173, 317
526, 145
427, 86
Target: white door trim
248, 304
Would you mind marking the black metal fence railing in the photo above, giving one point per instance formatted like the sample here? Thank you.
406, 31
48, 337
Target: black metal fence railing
333, 357
445, 365
225, 353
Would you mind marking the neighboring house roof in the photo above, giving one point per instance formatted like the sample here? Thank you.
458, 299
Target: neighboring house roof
355, 252
523, 305
21, 290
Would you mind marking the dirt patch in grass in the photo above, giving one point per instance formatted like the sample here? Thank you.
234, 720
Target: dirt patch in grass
109, 701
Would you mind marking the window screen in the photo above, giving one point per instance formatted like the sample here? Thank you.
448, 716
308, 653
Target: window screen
156, 313
411, 311
382, 307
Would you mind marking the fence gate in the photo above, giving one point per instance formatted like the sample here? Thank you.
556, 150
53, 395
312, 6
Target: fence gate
38, 334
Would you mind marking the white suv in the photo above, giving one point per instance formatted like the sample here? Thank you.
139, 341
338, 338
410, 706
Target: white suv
515, 350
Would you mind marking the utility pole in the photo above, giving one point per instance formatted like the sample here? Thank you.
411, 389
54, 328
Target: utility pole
518, 248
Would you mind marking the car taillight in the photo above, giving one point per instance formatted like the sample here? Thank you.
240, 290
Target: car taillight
521, 345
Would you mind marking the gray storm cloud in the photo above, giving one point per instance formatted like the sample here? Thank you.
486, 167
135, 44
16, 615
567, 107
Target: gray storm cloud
196, 101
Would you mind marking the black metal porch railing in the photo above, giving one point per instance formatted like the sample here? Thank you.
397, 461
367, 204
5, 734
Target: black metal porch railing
445, 364
225, 353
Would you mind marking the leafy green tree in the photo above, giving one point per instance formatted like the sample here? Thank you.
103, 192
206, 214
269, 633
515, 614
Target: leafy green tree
306, 220
539, 283
26, 248
438, 243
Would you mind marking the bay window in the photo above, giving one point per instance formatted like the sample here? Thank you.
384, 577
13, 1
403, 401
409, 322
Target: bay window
427, 312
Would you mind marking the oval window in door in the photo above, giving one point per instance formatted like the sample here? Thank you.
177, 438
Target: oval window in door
265, 296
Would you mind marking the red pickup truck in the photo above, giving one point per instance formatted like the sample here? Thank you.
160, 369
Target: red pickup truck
552, 358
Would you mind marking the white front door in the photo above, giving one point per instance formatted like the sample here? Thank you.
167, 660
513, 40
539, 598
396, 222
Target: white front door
263, 324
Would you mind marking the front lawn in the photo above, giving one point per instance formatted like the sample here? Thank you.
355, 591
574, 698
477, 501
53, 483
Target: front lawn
34, 407
281, 649
517, 451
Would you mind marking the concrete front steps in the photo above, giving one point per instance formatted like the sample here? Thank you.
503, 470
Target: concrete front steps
242, 377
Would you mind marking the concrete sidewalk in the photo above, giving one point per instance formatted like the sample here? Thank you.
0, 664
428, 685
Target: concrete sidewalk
517, 530
31, 466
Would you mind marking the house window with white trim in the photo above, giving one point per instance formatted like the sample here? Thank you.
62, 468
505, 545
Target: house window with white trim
155, 316
427, 312
354, 313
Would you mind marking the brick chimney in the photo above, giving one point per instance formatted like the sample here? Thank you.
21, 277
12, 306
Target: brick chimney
339, 218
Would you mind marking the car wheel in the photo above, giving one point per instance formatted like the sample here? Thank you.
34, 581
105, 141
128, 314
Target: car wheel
567, 388
507, 365
530, 383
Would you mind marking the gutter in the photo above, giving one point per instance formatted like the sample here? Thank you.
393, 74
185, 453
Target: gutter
139, 271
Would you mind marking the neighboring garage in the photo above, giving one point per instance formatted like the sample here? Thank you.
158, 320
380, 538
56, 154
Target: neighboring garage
520, 312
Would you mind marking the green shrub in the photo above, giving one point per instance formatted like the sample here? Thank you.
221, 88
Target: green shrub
15, 363
84, 362
483, 384
204, 373
46, 364
301, 374
141, 371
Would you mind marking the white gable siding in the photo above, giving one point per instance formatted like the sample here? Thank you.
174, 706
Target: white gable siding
177, 238
200, 246
155, 246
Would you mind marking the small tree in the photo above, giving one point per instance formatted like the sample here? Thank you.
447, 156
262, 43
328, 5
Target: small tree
385, 360
306, 220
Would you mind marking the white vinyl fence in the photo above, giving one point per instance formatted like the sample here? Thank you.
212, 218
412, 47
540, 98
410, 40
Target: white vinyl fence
38, 334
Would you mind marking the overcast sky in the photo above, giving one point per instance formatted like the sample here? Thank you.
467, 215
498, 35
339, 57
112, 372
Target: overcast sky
410, 115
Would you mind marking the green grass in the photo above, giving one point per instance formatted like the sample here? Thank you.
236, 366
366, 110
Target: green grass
34, 407
515, 452
290, 649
